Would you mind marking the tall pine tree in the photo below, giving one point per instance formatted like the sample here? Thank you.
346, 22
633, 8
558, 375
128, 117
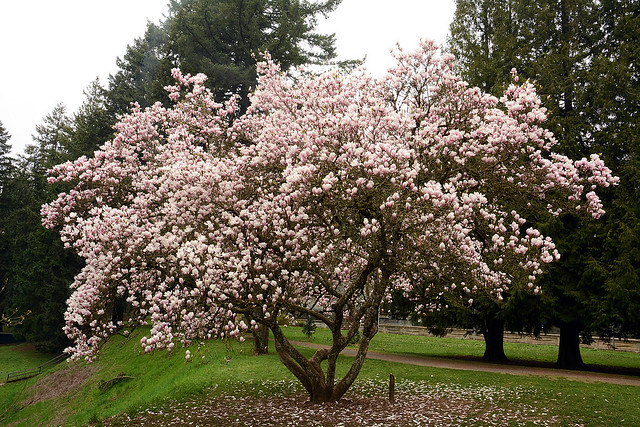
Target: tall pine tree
6, 173
220, 38
580, 54
40, 270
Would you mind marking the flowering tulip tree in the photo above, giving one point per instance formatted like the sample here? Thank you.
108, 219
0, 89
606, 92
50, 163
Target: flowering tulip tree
327, 195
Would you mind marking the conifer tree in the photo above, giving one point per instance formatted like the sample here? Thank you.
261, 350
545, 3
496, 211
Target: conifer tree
580, 55
6, 169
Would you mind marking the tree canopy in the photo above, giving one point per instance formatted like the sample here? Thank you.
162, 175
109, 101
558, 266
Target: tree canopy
580, 55
328, 194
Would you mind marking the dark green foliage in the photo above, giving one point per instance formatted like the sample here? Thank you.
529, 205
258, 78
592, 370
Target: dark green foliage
582, 56
39, 269
143, 72
92, 124
6, 163
399, 307
219, 38
476, 33
6, 172
309, 327
41, 281
52, 139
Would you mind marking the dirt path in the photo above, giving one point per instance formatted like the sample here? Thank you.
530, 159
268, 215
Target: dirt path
470, 365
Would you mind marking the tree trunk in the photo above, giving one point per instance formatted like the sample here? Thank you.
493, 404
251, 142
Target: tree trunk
261, 339
369, 329
569, 349
494, 341
321, 393
117, 314
324, 388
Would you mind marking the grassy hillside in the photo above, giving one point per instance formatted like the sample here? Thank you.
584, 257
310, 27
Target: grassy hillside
160, 384
19, 357
75, 393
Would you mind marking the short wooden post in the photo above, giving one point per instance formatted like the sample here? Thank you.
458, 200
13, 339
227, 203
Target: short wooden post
392, 388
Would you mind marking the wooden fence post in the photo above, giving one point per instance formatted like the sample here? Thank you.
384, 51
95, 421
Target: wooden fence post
392, 388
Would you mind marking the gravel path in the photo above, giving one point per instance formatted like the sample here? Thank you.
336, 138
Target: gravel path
470, 365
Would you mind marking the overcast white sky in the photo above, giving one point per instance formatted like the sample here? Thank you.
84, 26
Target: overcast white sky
52, 49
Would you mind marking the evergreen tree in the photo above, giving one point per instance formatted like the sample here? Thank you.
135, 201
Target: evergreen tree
6, 172
473, 40
614, 117
580, 54
6, 163
143, 72
220, 38
40, 269
92, 124
52, 141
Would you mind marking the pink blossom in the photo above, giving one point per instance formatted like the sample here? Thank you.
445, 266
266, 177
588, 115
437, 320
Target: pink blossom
331, 192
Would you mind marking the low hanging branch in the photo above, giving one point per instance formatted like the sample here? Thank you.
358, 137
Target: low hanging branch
106, 385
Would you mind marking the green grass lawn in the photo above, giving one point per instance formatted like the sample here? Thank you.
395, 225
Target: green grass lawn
413, 345
16, 357
19, 357
157, 377
161, 379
